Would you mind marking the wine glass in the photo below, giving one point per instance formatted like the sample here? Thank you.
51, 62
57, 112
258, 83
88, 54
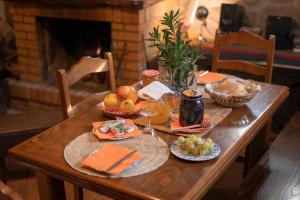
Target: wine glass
149, 110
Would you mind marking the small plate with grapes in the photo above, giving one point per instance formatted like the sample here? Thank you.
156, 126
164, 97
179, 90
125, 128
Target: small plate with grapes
193, 148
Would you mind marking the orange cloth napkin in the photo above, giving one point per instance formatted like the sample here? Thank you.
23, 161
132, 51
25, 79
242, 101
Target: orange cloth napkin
112, 159
109, 135
175, 124
210, 77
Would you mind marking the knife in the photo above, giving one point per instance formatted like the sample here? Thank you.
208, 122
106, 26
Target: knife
120, 161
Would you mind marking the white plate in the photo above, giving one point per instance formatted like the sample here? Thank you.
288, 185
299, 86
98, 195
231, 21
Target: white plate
178, 153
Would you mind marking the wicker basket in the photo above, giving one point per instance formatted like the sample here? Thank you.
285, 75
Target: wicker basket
227, 100
114, 113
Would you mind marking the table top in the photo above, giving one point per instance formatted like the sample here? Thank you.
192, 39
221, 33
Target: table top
176, 179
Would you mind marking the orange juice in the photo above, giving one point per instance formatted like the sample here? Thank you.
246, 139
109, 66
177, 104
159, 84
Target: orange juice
162, 110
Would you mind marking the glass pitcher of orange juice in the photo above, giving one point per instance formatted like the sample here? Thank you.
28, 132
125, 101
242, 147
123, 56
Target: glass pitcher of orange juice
162, 111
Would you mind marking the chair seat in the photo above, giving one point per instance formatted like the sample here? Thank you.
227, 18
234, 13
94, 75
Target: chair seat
32, 121
19, 127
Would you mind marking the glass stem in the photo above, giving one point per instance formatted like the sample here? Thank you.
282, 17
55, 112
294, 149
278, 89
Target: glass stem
149, 123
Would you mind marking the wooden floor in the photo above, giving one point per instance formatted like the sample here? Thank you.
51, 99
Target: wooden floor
22, 180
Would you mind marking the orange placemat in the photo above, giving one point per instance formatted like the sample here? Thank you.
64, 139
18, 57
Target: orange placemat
210, 77
174, 124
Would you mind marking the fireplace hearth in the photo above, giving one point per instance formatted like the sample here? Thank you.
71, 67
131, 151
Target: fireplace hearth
66, 41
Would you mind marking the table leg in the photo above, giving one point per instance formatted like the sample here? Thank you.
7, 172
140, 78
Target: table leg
257, 148
3, 171
50, 188
78, 192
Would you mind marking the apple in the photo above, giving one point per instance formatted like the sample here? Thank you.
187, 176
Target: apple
127, 92
133, 94
127, 105
111, 101
123, 91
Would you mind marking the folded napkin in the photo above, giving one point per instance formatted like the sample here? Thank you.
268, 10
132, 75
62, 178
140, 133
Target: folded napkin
109, 135
175, 124
154, 90
210, 77
112, 159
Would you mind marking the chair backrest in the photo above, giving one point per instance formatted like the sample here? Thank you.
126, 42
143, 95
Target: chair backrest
246, 39
83, 67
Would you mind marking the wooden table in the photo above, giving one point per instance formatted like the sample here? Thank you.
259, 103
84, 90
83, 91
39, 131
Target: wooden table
176, 179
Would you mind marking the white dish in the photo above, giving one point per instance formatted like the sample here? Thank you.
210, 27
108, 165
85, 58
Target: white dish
178, 153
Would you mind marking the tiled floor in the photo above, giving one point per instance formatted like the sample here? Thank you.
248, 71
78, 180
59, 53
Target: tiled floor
22, 180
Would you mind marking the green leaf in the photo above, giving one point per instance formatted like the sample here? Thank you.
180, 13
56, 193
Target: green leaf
173, 48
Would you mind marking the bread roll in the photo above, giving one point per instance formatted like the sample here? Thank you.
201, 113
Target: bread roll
232, 87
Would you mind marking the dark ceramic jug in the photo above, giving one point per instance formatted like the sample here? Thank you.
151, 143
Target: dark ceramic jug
191, 108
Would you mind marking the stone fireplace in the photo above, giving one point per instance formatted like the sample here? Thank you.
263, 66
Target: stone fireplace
50, 33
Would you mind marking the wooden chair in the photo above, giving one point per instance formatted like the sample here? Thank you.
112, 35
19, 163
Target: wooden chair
16, 128
85, 66
6, 193
246, 39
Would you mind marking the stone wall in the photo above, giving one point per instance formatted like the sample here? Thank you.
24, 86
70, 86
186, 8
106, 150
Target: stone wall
5, 26
126, 28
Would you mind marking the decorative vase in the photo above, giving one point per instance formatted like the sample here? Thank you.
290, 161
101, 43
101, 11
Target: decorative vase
164, 74
167, 77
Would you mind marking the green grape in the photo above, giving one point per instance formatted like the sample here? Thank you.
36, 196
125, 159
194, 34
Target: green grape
181, 139
203, 152
190, 149
199, 145
191, 136
183, 146
195, 151
197, 141
205, 145
209, 140
210, 148
188, 142
194, 138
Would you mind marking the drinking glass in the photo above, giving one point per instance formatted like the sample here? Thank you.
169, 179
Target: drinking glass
149, 110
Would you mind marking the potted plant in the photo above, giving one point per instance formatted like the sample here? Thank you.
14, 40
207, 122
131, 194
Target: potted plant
174, 50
